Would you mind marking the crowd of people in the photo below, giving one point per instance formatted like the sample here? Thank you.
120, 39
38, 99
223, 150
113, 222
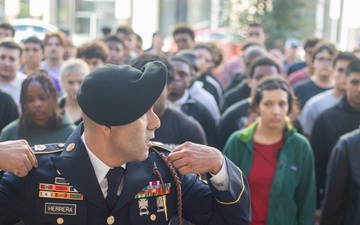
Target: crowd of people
290, 121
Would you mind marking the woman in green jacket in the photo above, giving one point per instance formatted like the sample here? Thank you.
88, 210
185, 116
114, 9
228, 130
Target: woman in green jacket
41, 121
277, 160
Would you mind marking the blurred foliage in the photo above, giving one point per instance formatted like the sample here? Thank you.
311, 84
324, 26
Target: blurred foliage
281, 18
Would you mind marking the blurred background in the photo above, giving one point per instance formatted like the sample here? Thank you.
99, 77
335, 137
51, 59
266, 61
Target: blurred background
221, 20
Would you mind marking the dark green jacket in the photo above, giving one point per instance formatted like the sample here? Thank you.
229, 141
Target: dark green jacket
292, 194
40, 134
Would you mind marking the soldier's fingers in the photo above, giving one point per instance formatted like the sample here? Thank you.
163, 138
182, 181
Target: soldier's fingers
32, 158
27, 164
181, 162
22, 172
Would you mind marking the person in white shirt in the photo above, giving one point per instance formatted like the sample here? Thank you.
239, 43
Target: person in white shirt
10, 78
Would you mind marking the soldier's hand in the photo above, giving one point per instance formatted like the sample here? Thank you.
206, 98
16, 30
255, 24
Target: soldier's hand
195, 158
17, 157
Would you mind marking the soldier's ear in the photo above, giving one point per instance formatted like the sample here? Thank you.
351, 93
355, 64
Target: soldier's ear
105, 129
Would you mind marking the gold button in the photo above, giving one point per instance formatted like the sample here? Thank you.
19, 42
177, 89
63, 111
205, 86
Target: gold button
110, 220
70, 147
153, 217
60, 220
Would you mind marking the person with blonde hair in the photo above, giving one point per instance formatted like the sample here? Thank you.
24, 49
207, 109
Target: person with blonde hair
72, 74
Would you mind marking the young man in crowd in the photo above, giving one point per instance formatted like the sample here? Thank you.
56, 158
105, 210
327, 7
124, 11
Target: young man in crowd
10, 77
117, 50
33, 55
54, 49
6, 30
320, 102
334, 122
127, 35
94, 53
322, 79
308, 70
180, 98
205, 62
184, 36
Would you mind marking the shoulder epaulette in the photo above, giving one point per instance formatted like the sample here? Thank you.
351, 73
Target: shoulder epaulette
160, 145
48, 148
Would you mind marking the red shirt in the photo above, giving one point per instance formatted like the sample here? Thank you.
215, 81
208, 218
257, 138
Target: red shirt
260, 179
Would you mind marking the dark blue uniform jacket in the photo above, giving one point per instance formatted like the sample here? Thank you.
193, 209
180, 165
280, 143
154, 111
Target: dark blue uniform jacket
64, 190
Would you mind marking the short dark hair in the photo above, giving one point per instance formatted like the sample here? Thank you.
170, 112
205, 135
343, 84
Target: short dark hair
311, 41
274, 83
8, 26
257, 25
34, 40
114, 38
321, 46
125, 30
184, 28
95, 49
206, 47
182, 59
262, 61
353, 67
105, 30
343, 56
157, 33
138, 38
9, 43
140, 61
189, 54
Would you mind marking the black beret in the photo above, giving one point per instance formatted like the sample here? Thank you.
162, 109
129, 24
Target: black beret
117, 95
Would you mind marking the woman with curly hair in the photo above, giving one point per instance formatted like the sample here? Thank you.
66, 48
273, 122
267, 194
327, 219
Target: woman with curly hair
41, 121
276, 159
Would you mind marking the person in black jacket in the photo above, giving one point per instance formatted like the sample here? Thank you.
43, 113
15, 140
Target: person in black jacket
8, 110
180, 98
334, 122
342, 198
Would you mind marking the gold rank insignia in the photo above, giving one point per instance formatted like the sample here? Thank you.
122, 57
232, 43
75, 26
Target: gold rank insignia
70, 147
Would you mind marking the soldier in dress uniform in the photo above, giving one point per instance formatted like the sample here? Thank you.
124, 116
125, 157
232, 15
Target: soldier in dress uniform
109, 172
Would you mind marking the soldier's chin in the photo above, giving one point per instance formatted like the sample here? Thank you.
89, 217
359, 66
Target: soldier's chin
145, 156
